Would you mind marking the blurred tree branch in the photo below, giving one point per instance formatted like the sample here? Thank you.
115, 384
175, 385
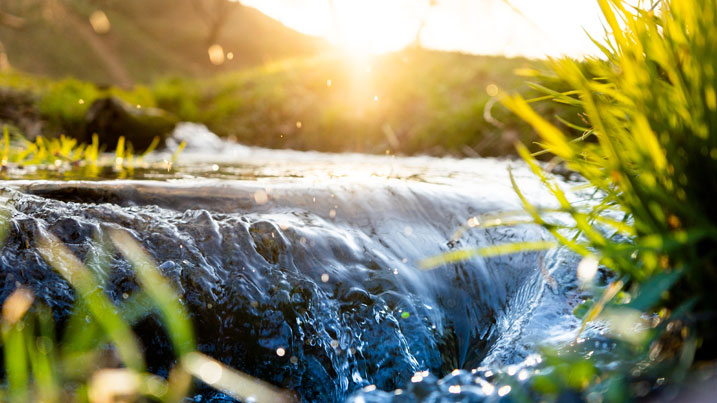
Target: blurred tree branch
11, 21
215, 14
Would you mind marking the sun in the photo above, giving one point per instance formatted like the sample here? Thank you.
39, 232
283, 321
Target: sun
371, 27
359, 28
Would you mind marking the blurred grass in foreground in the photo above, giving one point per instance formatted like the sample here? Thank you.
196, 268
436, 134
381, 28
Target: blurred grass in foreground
98, 358
649, 149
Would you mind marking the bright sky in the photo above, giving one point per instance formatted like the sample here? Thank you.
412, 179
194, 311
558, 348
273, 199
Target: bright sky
538, 29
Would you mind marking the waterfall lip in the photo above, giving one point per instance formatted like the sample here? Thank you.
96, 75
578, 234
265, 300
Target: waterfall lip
367, 238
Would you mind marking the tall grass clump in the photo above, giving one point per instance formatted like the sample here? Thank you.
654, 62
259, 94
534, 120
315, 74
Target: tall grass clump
650, 149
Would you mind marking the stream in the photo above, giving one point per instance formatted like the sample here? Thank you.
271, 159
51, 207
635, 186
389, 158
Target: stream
302, 268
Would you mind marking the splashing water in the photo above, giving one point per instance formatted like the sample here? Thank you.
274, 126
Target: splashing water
301, 268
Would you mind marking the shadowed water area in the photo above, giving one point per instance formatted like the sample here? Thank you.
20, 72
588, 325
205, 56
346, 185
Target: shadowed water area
302, 269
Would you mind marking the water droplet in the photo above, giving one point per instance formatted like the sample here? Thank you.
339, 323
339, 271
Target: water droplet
587, 268
334, 343
215, 167
332, 213
216, 54
492, 90
261, 197
454, 389
328, 83
280, 352
325, 278
99, 22
504, 390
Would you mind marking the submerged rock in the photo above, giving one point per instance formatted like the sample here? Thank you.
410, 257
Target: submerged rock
110, 118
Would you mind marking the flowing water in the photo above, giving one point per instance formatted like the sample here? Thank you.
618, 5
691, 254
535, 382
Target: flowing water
302, 269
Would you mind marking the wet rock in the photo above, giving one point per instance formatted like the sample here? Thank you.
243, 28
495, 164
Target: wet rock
111, 118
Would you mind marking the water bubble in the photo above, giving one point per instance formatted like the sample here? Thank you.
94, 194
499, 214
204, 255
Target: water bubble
298, 124
418, 377
454, 389
215, 167
230, 55
334, 343
504, 390
328, 83
294, 359
325, 278
332, 213
280, 352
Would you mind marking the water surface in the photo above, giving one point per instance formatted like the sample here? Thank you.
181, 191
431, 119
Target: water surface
302, 268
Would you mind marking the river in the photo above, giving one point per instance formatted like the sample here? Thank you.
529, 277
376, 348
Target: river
303, 269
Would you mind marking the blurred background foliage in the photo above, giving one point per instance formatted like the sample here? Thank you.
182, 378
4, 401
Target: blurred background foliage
264, 85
